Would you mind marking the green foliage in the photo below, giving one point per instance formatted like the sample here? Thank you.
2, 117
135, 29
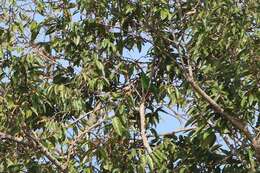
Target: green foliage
70, 95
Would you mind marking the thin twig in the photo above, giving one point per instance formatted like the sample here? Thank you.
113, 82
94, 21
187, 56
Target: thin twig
80, 118
185, 129
84, 132
78, 139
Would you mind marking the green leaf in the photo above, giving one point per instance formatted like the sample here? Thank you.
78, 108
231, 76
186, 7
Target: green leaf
34, 110
144, 82
150, 162
139, 45
100, 66
251, 99
76, 40
160, 155
164, 13
28, 113
183, 170
118, 126
35, 29
252, 161
209, 138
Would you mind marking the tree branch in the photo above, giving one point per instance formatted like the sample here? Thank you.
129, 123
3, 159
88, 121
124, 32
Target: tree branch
45, 151
42, 53
11, 138
217, 108
142, 126
189, 77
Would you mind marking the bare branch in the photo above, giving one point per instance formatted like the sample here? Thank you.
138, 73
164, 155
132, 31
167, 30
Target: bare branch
142, 121
185, 129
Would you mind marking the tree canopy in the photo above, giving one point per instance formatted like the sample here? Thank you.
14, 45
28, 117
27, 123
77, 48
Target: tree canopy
73, 100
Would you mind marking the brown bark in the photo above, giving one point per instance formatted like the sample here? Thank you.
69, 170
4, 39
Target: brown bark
142, 121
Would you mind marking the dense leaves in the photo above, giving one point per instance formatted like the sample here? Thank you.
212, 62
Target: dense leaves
72, 86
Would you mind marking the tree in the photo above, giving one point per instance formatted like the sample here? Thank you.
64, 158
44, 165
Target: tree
72, 101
